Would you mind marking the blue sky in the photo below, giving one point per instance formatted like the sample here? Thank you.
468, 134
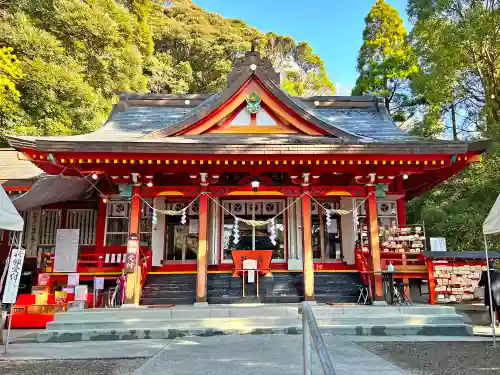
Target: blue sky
332, 27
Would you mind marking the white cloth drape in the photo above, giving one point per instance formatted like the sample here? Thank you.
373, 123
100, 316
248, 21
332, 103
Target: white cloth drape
9, 217
492, 223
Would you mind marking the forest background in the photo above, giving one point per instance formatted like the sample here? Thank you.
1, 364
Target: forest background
63, 64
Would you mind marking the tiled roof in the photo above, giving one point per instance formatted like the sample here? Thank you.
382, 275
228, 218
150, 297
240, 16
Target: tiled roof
365, 122
155, 123
15, 169
137, 121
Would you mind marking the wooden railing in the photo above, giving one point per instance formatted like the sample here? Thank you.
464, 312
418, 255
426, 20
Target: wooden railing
110, 261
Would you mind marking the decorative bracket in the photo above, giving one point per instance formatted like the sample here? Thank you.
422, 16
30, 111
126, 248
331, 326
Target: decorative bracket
204, 179
305, 180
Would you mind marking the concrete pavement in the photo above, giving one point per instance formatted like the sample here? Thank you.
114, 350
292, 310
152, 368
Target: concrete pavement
218, 355
259, 355
84, 350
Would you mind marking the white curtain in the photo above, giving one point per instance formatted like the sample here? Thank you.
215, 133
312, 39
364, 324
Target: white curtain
9, 217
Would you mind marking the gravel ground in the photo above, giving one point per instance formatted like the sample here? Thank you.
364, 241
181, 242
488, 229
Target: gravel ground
73, 367
440, 358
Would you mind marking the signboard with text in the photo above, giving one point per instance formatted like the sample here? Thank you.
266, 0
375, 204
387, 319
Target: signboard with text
438, 243
99, 283
13, 276
66, 253
132, 255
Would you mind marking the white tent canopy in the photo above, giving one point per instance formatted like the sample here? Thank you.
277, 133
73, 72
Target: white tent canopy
491, 226
9, 217
492, 223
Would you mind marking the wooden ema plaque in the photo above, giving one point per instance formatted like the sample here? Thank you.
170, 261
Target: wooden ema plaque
263, 258
46, 309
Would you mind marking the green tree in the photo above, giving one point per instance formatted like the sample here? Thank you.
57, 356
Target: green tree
303, 72
142, 10
167, 77
102, 36
73, 65
458, 42
10, 73
431, 124
458, 207
387, 61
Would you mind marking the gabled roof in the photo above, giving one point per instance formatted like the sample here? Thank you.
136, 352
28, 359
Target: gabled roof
161, 123
257, 68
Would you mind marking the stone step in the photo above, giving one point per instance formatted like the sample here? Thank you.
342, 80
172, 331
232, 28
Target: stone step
177, 321
173, 300
247, 311
138, 323
170, 333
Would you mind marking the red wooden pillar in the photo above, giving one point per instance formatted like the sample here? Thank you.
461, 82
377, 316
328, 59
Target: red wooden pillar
307, 254
202, 261
133, 284
431, 281
101, 226
135, 211
400, 203
373, 236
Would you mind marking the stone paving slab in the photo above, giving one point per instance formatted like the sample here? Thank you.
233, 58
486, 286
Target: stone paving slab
259, 355
411, 338
84, 350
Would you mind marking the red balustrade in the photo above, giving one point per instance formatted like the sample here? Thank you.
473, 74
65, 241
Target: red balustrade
89, 261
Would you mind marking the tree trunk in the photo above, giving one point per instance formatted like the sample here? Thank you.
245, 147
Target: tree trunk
454, 121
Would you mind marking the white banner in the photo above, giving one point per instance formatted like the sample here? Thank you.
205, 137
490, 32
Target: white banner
99, 283
438, 243
66, 253
13, 275
81, 293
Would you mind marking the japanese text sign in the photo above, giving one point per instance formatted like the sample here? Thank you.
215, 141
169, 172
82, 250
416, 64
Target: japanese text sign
13, 276
132, 255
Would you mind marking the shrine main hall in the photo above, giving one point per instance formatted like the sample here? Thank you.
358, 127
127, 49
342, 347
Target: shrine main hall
203, 182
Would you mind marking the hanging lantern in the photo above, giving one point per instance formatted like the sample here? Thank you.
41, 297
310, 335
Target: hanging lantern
183, 218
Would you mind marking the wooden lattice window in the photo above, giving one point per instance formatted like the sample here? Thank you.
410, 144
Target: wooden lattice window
86, 221
117, 223
50, 223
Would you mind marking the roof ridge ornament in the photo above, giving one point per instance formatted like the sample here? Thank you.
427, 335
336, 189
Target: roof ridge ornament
250, 63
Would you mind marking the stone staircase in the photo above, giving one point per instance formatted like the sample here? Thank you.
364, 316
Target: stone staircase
169, 289
179, 321
223, 288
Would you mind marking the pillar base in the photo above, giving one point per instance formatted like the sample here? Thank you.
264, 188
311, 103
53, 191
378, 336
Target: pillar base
130, 305
311, 302
200, 304
310, 299
379, 303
